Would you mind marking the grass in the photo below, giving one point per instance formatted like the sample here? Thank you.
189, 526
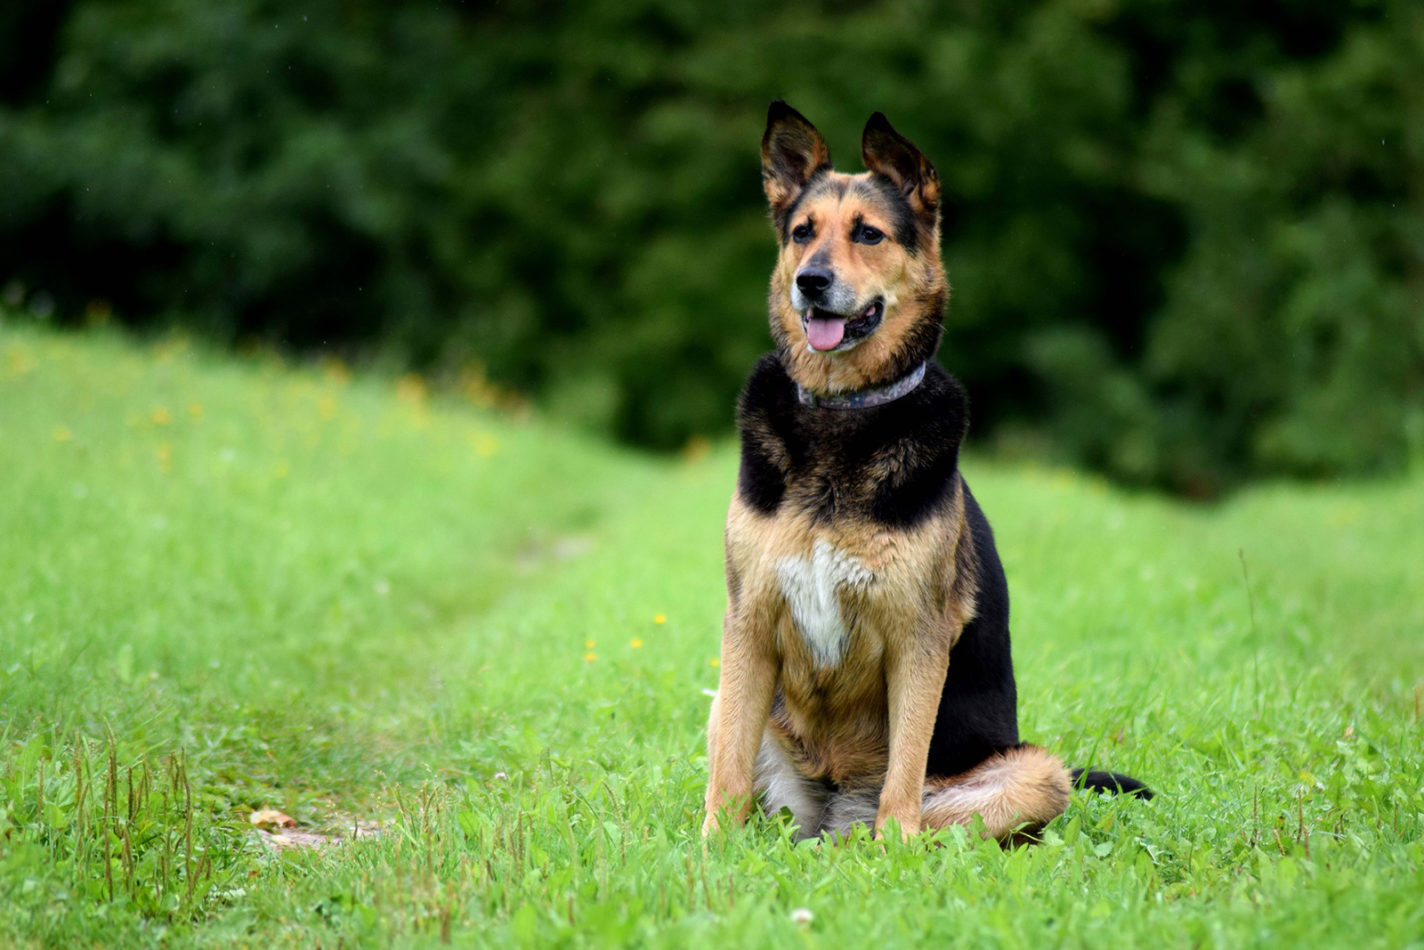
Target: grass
240, 585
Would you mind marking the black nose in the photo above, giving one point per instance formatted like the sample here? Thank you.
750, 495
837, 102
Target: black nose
813, 281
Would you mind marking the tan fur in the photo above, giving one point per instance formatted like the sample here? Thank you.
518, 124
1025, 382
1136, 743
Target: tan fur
910, 286
844, 737
868, 720
1014, 794
1018, 790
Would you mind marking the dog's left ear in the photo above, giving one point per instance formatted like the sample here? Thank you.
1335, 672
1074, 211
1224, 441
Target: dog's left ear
887, 152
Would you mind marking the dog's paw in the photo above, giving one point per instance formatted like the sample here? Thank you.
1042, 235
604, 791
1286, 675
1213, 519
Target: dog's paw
885, 828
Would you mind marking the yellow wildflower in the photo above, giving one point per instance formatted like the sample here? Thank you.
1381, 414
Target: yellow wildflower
160, 416
62, 433
696, 448
411, 388
335, 370
19, 360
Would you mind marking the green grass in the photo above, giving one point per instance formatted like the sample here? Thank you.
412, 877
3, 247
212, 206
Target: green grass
232, 585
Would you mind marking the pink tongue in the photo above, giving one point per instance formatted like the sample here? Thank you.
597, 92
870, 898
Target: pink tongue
825, 333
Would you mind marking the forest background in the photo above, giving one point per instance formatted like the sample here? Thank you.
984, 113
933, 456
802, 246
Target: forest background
1187, 238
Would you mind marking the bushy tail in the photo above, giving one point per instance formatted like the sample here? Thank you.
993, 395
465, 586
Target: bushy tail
1016, 790
1114, 782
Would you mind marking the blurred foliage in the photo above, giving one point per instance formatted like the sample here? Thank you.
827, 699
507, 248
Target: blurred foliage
1187, 238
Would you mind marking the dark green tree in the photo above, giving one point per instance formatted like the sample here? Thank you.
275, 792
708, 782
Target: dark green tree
1185, 237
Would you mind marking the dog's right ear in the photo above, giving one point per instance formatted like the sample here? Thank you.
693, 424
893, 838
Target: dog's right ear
792, 151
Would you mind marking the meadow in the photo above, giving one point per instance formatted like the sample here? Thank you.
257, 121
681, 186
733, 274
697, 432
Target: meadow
467, 651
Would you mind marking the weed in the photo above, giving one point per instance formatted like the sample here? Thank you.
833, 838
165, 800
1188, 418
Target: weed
344, 599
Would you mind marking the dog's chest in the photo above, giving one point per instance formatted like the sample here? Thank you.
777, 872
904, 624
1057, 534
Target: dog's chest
815, 588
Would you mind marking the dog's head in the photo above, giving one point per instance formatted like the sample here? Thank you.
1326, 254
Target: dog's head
858, 294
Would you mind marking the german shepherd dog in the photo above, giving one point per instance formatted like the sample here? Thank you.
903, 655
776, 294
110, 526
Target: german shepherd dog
865, 670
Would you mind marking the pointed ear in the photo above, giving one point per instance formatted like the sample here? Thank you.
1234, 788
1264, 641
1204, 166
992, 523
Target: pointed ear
792, 151
887, 152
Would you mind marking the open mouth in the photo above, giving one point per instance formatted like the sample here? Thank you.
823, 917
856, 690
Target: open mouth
827, 331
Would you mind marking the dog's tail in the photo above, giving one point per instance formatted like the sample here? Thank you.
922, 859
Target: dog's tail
1114, 782
1015, 791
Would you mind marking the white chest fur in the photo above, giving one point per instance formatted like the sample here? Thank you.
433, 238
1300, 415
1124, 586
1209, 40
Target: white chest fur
812, 588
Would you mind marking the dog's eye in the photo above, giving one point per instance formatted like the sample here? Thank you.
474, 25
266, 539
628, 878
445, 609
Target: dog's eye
801, 233
865, 234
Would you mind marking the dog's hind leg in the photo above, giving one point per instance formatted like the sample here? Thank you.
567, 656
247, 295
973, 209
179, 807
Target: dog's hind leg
1017, 790
780, 786
850, 807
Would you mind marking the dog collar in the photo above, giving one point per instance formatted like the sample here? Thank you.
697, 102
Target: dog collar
864, 398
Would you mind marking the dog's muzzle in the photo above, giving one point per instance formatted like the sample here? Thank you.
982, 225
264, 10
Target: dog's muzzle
827, 331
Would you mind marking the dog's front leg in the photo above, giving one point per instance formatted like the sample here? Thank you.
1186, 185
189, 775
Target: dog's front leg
914, 676
739, 715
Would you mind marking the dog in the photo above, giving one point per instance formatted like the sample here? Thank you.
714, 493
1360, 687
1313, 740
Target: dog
865, 673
